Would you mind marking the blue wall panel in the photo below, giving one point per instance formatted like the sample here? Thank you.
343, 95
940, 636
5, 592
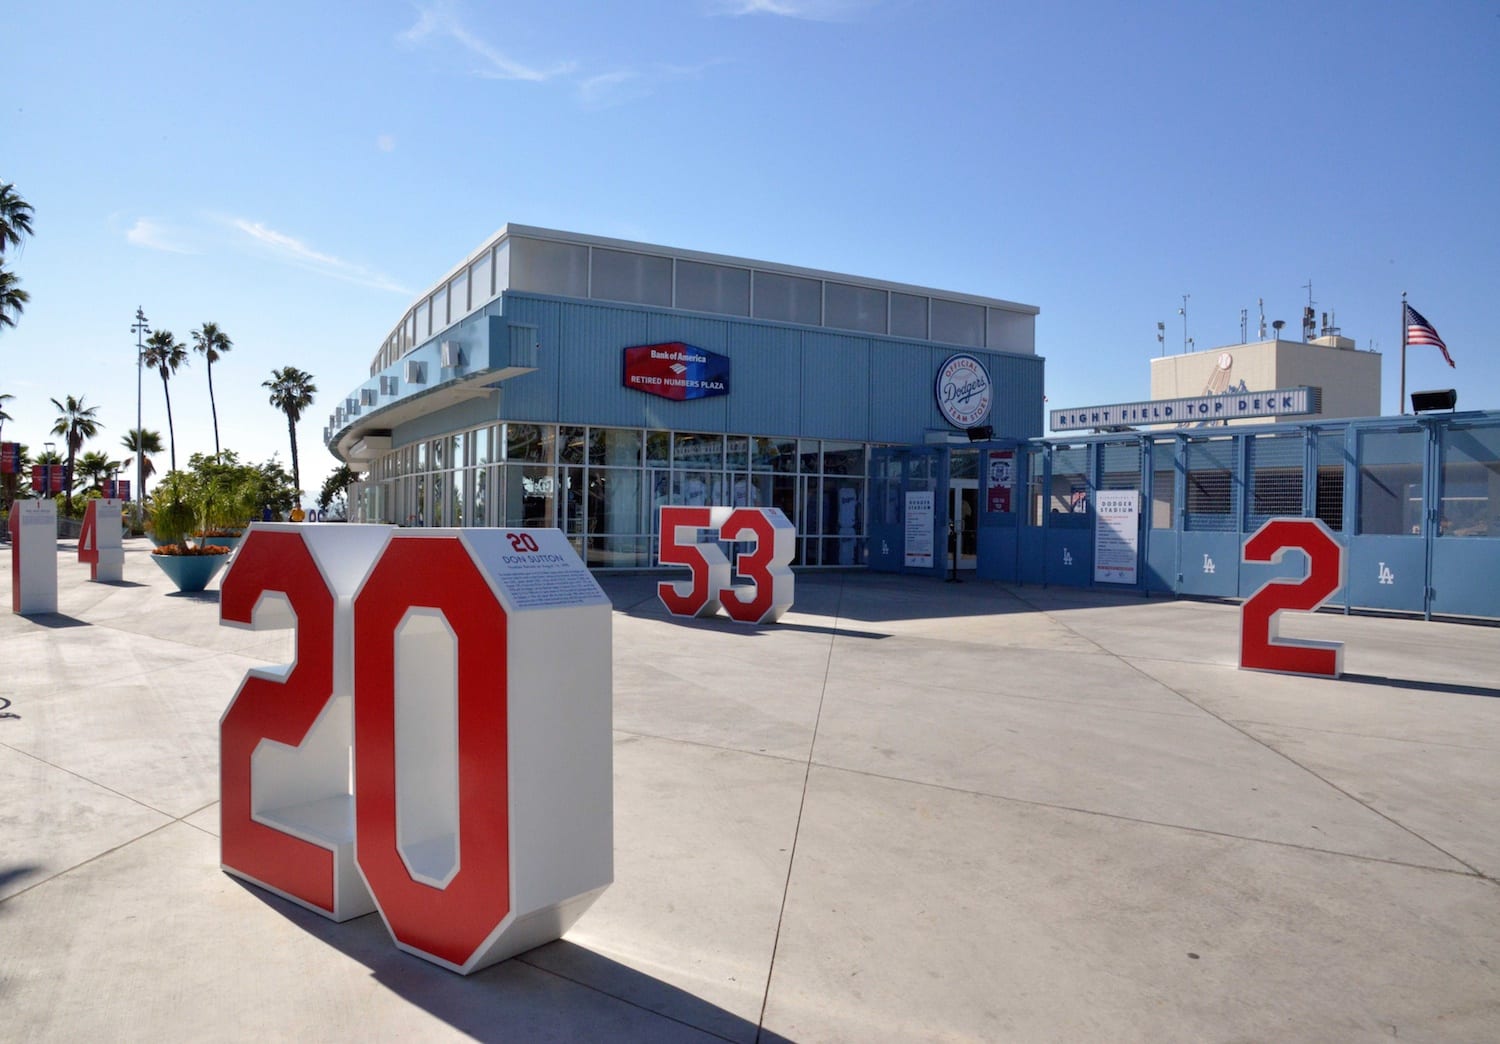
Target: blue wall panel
901, 379
766, 361
835, 371
534, 396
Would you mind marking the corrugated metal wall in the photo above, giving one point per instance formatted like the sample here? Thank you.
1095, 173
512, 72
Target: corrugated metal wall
785, 380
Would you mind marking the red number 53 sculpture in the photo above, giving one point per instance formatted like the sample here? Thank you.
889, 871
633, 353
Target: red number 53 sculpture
439, 749
769, 592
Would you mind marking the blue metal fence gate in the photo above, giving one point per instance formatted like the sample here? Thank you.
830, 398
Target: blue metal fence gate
1415, 501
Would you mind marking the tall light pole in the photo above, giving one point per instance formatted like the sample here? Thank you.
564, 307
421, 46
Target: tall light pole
1183, 312
140, 329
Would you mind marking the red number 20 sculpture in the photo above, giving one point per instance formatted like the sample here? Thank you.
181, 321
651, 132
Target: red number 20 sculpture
477, 814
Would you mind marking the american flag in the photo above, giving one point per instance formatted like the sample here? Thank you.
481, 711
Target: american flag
1420, 331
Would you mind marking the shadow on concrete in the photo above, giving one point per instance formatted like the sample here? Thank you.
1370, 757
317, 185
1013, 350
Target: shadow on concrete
57, 620
1423, 686
11, 873
207, 597
866, 597
119, 583
5, 712
556, 992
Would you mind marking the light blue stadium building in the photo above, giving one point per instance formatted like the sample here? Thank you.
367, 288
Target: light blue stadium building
558, 379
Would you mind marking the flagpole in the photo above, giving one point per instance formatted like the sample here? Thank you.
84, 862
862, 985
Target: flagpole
1403, 353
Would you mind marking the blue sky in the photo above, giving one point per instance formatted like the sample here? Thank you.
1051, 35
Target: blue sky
298, 173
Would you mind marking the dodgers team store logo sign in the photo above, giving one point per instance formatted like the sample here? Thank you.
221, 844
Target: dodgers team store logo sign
963, 391
676, 371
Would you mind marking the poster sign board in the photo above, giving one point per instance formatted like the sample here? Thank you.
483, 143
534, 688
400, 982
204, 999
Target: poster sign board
1116, 536
919, 508
1001, 482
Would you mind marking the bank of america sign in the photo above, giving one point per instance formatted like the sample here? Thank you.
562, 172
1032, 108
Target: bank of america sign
1236, 406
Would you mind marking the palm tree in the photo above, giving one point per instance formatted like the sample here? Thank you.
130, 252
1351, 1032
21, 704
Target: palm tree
165, 353
77, 424
292, 391
12, 298
145, 442
211, 342
96, 467
3, 415
15, 223
15, 217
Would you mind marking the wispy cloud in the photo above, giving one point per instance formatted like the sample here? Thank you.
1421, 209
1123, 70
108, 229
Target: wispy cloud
439, 22
293, 251
627, 85
807, 10
153, 235
386, 142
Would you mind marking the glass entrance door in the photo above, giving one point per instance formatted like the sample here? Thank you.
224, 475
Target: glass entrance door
963, 510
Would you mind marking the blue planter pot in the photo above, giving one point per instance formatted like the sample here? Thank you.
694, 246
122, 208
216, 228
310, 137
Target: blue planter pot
190, 572
230, 542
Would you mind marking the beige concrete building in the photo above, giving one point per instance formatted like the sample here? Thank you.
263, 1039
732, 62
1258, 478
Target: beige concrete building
1348, 379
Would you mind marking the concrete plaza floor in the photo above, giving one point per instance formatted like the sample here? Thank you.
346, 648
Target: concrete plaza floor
909, 811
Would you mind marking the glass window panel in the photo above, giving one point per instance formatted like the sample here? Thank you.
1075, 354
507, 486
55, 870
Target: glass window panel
502, 268
418, 516
957, 323
789, 299
909, 316
529, 442
614, 501
620, 275
713, 288
1011, 331
424, 322
693, 450
530, 495
411, 326
439, 308
615, 447
543, 267
775, 455
458, 295
1469, 484
658, 447
812, 519
843, 458
784, 496
697, 488
736, 452
571, 448
482, 514
479, 280
1390, 481
854, 307
750, 490
574, 495
807, 456
843, 522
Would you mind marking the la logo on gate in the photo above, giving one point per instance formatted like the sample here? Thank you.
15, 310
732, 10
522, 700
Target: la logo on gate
439, 749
